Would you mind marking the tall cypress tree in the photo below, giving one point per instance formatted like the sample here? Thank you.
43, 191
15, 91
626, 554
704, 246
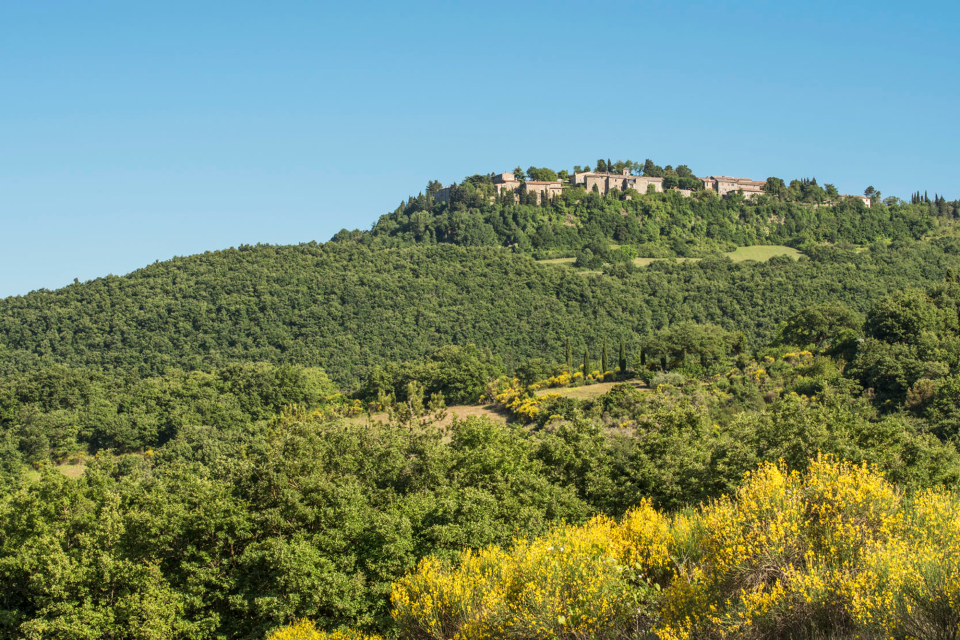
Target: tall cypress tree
603, 359
569, 357
586, 362
623, 358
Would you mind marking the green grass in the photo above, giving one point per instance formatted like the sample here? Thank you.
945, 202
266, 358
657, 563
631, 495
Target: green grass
760, 253
590, 391
69, 470
642, 262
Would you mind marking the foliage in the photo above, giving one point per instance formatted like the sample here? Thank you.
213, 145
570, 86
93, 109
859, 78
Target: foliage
821, 324
233, 532
348, 308
57, 412
828, 553
307, 630
459, 374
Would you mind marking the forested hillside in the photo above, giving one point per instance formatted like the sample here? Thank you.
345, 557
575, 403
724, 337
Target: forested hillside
650, 224
347, 307
663, 441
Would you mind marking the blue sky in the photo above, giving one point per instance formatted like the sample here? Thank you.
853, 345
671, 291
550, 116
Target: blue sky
133, 132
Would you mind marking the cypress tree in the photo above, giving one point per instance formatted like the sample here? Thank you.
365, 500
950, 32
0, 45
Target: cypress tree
569, 357
603, 359
586, 362
623, 358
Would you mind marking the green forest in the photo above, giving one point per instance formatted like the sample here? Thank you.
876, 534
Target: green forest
393, 433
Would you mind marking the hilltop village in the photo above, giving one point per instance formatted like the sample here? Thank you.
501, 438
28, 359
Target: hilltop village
603, 183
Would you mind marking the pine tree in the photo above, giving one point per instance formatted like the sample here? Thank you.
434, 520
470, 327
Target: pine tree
603, 359
569, 357
623, 358
586, 362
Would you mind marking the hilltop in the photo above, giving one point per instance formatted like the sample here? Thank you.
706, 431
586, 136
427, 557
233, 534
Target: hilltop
560, 214
488, 262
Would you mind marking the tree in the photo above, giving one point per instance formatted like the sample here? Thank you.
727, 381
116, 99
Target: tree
603, 358
601, 166
569, 356
684, 171
671, 182
650, 169
831, 191
586, 362
541, 174
775, 187
820, 324
518, 172
904, 317
623, 358
433, 186
708, 343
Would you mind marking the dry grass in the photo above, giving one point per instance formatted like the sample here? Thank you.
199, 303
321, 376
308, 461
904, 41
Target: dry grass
461, 411
72, 470
69, 470
762, 252
759, 253
588, 392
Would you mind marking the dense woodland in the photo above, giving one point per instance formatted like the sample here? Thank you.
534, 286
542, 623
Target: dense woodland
262, 434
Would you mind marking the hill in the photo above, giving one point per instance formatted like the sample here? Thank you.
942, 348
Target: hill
346, 306
480, 212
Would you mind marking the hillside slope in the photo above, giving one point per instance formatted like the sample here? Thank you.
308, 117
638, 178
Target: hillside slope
345, 307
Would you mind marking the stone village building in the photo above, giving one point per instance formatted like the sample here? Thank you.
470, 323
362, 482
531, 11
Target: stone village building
508, 182
604, 182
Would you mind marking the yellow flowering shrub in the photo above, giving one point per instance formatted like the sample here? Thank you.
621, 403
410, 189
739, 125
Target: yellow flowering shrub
571, 583
834, 552
307, 630
519, 400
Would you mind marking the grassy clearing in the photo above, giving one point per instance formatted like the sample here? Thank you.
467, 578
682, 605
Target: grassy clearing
759, 253
461, 411
762, 252
588, 392
69, 470
642, 262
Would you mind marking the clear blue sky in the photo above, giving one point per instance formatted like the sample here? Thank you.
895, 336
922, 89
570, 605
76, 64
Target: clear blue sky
132, 131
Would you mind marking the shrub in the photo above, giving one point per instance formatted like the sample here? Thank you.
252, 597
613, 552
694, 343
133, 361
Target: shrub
834, 552
669, 378
307, 630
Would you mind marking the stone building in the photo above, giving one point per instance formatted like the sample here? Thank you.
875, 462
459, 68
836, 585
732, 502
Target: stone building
549, 188
506, 181
443, 195
864, 199
604, 182
725, 184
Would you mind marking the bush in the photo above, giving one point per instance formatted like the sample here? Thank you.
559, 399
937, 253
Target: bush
670, 378
834, 552
307, 630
